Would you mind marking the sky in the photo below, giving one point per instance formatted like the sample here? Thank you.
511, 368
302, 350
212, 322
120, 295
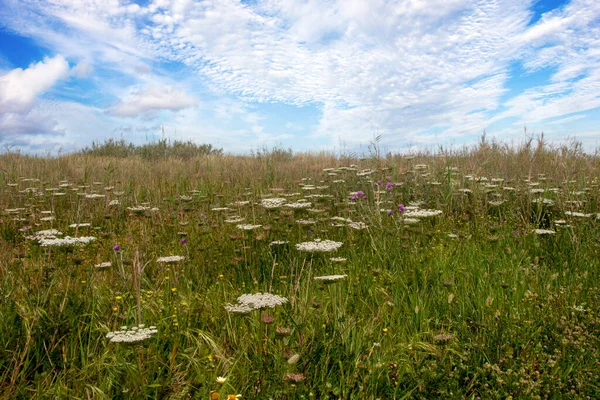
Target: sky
310, 75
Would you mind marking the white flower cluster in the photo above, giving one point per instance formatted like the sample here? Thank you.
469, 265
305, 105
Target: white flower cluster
306, 221
220, 209
418, 213
256, 301
358, 225
45, 234
319, 246
103, 265
66, 241
273, 202
248, 227
138, 208
330, 278
234, 220
278, 242
82, 225
337, 259
170, 259
114, 202
132, 335
544, 232
299, 205
578, 214
94, 196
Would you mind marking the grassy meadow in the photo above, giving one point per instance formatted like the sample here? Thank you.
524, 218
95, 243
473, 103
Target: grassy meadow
460, 274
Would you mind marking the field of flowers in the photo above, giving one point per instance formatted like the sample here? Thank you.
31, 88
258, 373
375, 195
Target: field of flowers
280, 276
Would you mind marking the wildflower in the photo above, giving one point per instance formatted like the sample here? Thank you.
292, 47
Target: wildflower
80, 225
221, 380
66, 241
401, 208
358, 225
248, 227
272, 203
257, 301
268, 319
337, 259
282, 332
103, 265
443, 338
330, 278
295, 378
132, 335
390, 212
319, 246
170, 259
183, 240
117, 247
544, 232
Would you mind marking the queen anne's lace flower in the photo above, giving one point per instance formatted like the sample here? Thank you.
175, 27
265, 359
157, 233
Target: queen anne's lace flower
272, 203
330, 278
170, 259
544, 232
319, 246
131, 335
248, 227
256, 301
66, 241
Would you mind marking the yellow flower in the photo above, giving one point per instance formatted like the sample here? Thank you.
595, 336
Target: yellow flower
215, 396
115, 309
385, 330
174, 289
118, 298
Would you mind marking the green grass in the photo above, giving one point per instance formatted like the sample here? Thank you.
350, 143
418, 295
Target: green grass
492, 312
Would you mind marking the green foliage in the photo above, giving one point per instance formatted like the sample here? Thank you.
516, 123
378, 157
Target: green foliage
151, 151
466, 304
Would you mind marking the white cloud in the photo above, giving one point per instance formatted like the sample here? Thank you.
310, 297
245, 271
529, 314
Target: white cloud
20, 88
399, 67
152, 99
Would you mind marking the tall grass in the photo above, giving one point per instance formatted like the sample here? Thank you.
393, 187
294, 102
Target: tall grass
467, 304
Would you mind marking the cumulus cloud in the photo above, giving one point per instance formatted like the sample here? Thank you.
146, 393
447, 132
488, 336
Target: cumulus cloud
20, 88
152, 99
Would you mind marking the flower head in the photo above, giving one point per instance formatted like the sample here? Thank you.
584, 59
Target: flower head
116, 247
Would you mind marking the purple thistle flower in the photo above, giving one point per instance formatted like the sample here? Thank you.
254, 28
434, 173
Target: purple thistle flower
389, 186
360, 193
390, 212
183, 240
117, 247
401, 208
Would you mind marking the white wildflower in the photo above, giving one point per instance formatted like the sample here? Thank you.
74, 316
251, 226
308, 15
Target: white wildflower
418, 213
234, 220
319, 246
66, 241
273, 202
330, 278
94, 196
103, 265
248, 227
170, 259
358, 225
133, 335
544, 232
82, 225
256, 301
299, 205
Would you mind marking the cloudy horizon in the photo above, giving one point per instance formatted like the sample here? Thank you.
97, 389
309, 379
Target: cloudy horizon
307, 75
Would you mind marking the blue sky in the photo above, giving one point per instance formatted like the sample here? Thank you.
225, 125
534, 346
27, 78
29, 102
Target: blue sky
300, 74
